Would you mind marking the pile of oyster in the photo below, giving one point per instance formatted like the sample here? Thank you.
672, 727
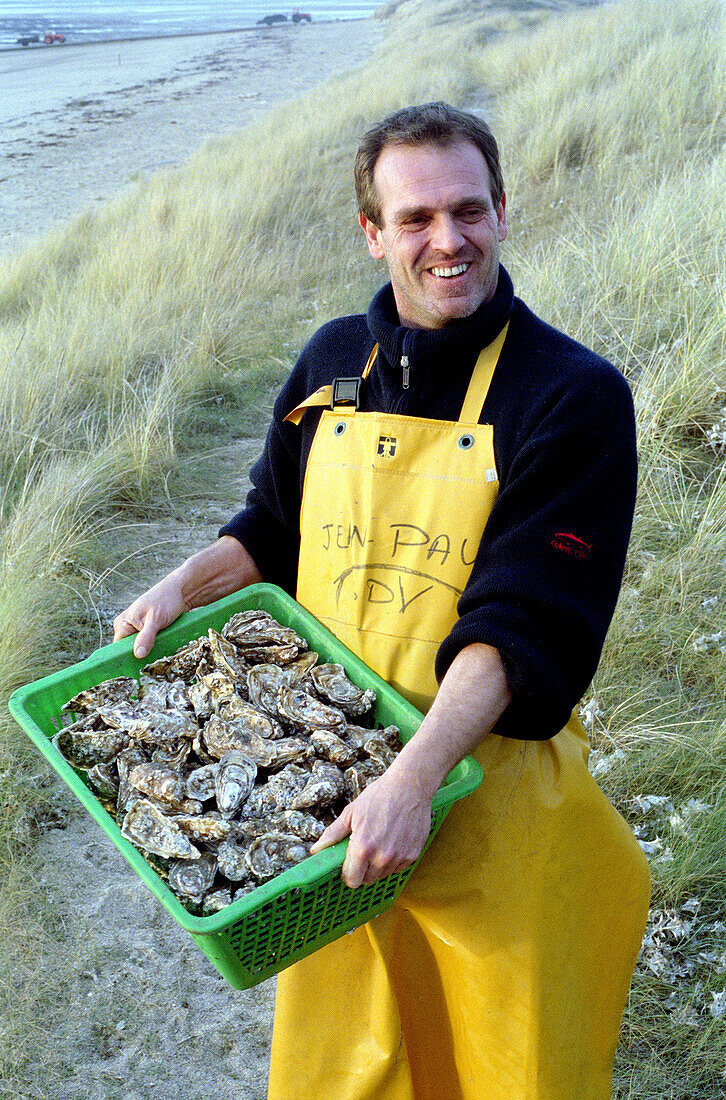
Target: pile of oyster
226, 761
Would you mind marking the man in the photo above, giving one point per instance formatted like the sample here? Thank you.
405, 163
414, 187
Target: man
460, 513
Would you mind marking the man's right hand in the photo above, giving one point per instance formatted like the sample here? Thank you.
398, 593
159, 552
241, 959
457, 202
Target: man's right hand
223, 567
150, 613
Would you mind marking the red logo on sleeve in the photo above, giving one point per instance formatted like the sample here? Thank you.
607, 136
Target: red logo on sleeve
568, 543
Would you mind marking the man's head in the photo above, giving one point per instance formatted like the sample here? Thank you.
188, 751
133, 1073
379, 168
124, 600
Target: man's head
424, 124
432, 204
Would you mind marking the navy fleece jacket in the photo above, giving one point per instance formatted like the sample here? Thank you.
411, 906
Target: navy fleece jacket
547, 573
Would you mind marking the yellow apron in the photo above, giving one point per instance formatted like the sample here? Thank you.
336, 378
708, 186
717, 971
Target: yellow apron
501, 972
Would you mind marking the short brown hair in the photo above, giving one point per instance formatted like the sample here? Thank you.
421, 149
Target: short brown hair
425, 124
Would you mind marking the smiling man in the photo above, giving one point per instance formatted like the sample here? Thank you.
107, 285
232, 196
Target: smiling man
448, 483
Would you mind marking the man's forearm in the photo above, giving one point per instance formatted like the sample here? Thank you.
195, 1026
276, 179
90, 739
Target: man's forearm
224, 567
390, 821
473, 695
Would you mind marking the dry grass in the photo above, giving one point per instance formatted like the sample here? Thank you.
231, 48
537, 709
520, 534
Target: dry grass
612, 128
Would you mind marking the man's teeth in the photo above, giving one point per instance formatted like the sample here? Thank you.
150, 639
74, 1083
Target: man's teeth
449, 272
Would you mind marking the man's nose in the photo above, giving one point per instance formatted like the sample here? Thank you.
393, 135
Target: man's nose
445, 235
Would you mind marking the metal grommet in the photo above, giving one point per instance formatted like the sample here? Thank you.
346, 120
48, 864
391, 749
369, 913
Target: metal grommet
466, 441
340, 427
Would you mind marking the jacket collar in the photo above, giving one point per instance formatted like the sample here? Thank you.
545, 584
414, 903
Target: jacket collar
460, 339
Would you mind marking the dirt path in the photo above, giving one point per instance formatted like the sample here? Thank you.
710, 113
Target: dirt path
146, 1015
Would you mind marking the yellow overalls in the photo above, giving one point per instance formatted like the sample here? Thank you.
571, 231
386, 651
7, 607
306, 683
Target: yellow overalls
501, 972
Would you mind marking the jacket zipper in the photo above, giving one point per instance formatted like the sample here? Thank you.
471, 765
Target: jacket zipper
405, 364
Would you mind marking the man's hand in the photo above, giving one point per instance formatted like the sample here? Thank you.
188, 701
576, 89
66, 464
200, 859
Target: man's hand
389, 822
388, 825
150, 613
224, 567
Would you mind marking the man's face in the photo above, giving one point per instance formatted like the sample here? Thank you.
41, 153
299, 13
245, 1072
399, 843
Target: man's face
440, 231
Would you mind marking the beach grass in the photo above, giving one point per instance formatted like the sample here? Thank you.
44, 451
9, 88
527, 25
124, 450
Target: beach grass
206, 280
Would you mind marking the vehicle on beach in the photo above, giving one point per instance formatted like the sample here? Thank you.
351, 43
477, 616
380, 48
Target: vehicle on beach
301, 17
268, 20
52, 38
27, 39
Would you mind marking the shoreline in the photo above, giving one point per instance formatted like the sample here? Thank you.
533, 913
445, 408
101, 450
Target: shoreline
35, 46
76, 127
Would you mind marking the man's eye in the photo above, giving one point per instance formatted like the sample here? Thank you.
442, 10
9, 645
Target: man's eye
471, 214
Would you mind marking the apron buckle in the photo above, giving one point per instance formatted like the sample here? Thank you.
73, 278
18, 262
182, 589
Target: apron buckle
346, 391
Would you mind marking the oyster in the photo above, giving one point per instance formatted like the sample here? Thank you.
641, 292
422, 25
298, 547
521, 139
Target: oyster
200, 782
146, 826
290, 750
223, 737
172, 755
263, 685
84, 748
296, 822
304, 712
202, 700
216, 900
333, 686
254, 631
359, 775
231, 860
191, 878
227, 658
161, 784
378, 746
324, 787
272, 853
280, 791
181, 665
296, 671
104, 779
120, 690
209, 828
333, 748
126, 761
233, 782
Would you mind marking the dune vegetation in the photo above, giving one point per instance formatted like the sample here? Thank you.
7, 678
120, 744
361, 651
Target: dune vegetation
198, 285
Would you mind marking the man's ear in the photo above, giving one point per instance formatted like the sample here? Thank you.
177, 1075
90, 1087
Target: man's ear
373, 237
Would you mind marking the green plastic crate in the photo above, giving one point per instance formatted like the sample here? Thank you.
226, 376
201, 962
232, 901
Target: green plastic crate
305, 907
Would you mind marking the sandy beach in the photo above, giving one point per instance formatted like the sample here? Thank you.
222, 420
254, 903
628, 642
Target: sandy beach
79, 122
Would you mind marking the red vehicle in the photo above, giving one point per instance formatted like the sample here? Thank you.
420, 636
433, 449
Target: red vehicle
301, 17
52, 37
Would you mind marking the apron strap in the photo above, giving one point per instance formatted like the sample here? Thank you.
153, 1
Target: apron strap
475, 394
323, 396
481, 379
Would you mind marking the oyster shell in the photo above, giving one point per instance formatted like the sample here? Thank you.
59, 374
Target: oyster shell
200, 782
222, 737
181, 665
146, 826
208, 829
216, 900
324, 787
227, 658
233, 782
120, 690
359, 775
104, 779
191, 878
291, 750
304, 712
272, 853
333, 748
263, 685
254, 631
297, 671
84, 748
231, 861
172, 755
160, 783
378, 747
202, 700
300, 824
333, 686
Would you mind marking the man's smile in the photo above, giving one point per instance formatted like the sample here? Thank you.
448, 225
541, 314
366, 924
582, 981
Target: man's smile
449, 272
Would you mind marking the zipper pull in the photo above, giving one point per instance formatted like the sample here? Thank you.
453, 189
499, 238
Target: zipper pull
406, 371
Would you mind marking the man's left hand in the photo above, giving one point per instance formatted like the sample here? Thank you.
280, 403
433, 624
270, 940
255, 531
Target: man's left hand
388, 825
